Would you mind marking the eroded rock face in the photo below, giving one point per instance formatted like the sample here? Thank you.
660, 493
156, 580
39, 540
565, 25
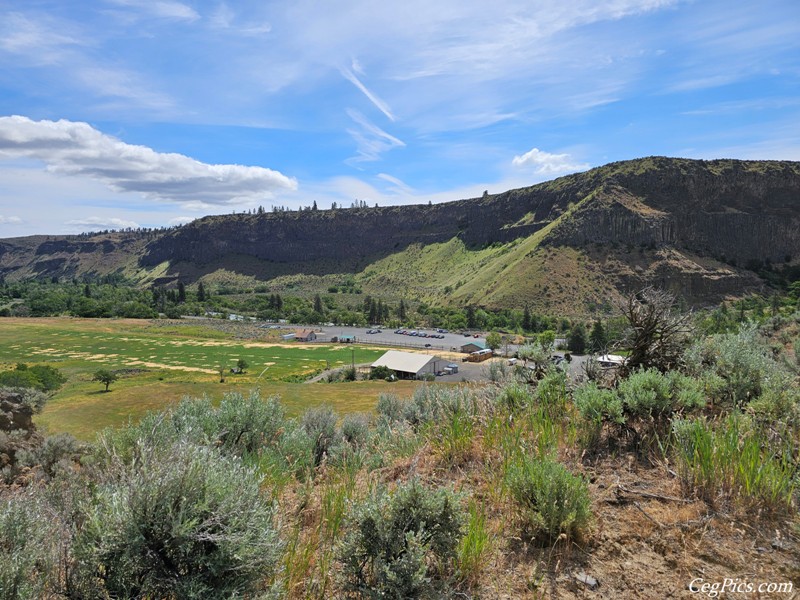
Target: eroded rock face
15, 413
725, 209
738, 214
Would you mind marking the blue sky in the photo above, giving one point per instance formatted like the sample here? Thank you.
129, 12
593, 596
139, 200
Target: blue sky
117, 113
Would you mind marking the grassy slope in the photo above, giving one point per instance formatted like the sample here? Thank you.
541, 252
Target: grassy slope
513, 274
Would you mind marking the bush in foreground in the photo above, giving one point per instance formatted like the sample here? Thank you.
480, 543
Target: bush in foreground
401, 545
28, 549
552, 500
180, 522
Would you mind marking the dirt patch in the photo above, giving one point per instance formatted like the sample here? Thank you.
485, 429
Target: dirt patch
154, 365
649, 541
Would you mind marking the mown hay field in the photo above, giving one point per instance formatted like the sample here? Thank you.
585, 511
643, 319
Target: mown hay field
159, 365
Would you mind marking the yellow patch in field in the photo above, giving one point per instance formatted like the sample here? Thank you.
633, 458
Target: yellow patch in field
153, 365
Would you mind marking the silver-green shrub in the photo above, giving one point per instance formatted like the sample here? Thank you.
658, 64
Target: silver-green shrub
649, 392
598, 404
55, 451
182, 521
401, 545
29, 541
355, 429
735, 366
551, 499
319, 424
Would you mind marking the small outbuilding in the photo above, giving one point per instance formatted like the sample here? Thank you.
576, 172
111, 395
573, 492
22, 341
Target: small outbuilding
305, 335
288, 336
473, 346
409, 365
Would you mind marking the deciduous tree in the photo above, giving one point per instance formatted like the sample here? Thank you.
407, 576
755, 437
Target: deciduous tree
105, 377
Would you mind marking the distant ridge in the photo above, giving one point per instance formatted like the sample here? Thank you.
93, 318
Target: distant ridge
571, 244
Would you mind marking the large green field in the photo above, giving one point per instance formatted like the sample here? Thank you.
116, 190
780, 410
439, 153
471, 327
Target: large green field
159, 365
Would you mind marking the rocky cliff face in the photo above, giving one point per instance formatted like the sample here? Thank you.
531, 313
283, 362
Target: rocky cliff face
735, 211
701, 222
347, 235
70, 256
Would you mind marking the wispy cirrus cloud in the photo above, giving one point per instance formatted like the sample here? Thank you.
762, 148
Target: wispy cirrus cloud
38, 41
77, 149
371, 140
225, 18
397, 185
546, 163
9, 220
380, 104
163, 9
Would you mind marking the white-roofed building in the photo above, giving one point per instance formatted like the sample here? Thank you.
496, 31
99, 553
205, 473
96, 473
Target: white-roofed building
410, 365
610, 361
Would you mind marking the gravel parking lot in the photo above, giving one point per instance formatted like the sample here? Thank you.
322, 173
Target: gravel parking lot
451, 342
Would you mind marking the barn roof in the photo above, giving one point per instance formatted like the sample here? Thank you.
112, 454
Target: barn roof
406, 362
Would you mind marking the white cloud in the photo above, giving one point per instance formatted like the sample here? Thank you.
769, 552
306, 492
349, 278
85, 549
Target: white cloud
380, 104
77, 149
224, 18
39, 42
180, 220
119, 83
9, 220
545, 163
102, 223
371, 140
164, 9
398, 185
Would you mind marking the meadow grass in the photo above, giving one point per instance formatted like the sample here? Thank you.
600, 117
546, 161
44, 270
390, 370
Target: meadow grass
159, 365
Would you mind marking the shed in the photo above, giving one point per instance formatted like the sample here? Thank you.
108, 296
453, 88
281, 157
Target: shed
305, 335
451, 369
347, 339
408, 365
288, 336
473, 346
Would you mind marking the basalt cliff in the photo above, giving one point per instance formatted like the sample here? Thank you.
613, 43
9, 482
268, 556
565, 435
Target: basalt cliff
702, 228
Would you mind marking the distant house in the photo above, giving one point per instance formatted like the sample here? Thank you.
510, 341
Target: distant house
305, 335
409, 365
473, 346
